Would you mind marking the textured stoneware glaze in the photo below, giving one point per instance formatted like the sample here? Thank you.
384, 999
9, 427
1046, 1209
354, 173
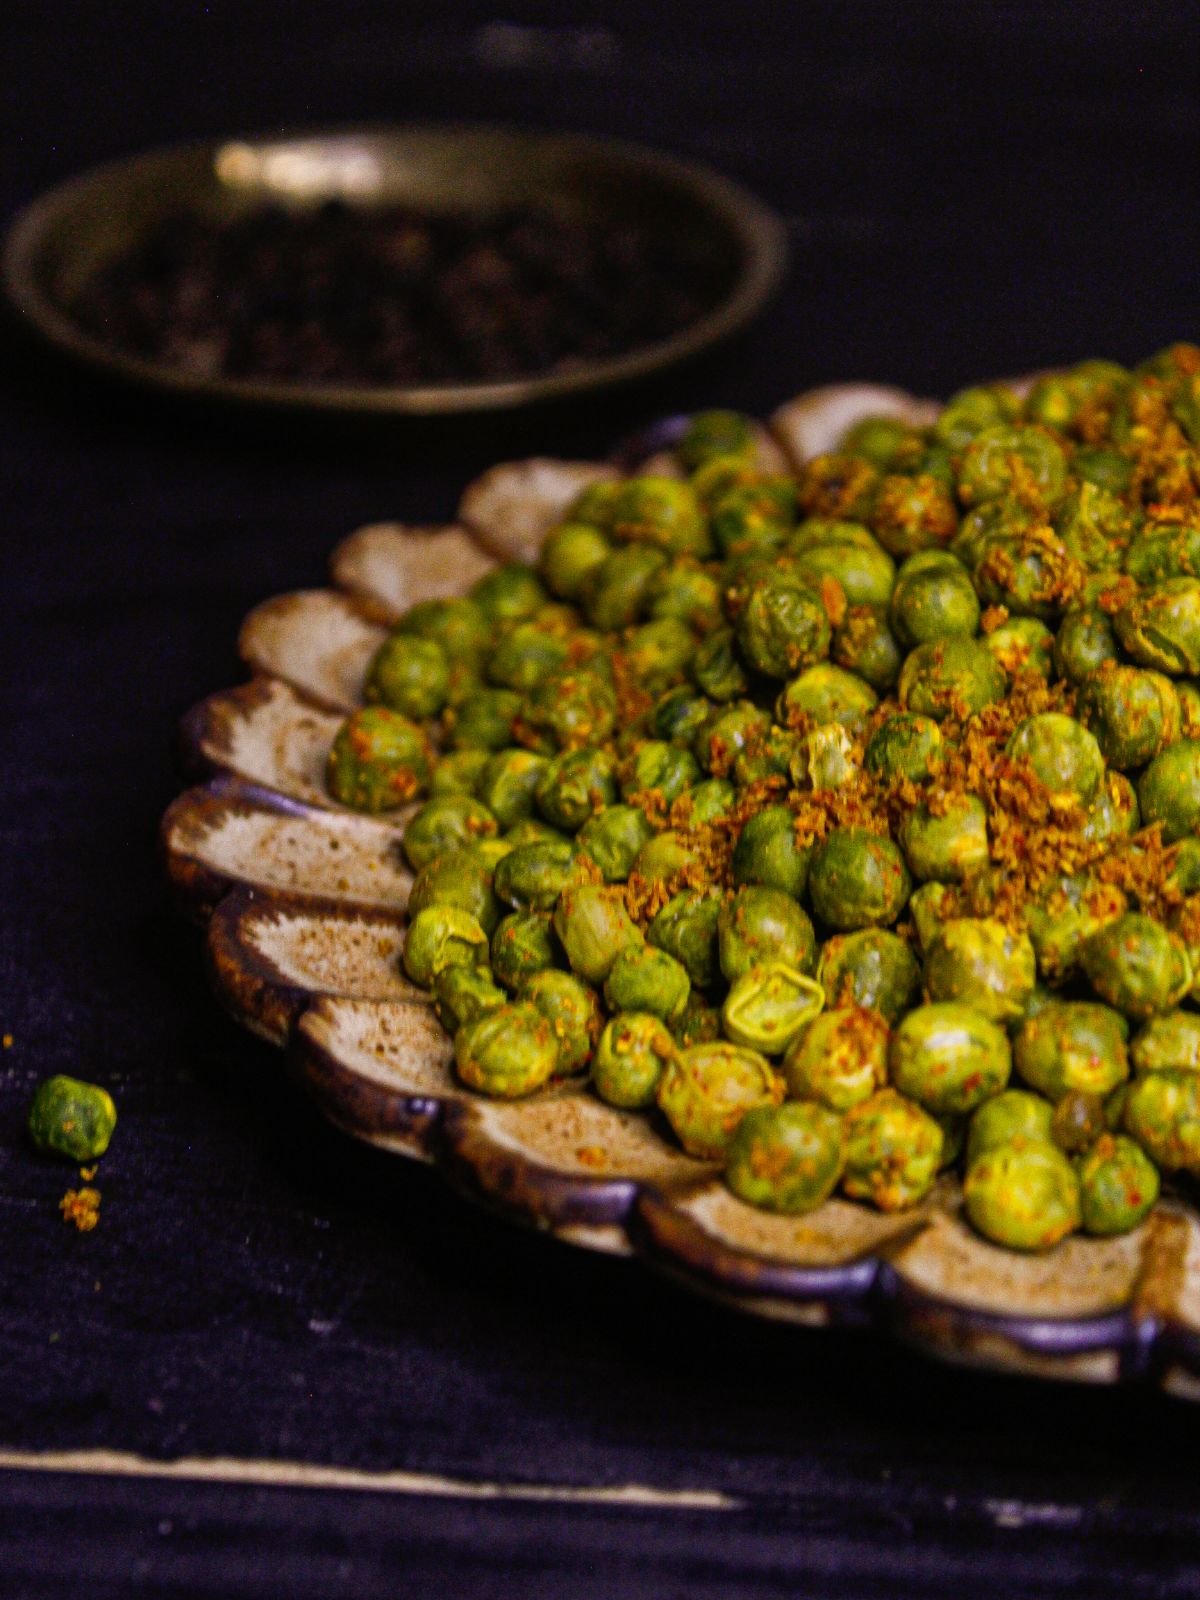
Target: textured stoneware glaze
304, 906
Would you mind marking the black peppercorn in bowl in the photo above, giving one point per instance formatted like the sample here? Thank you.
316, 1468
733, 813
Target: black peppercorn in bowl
409, 270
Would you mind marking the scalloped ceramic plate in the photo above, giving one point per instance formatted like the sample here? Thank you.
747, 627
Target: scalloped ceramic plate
304, 906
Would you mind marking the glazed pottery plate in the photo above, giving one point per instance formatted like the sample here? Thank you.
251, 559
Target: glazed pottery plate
304, 906
65, 237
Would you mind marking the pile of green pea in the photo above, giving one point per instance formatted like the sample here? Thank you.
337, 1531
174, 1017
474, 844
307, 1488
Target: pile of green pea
694, 658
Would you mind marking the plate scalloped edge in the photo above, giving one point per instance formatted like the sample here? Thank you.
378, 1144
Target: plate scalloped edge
303, 903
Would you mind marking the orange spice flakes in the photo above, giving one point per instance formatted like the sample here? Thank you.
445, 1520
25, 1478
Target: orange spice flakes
993, 617
633, 699
82, 1207
833, 598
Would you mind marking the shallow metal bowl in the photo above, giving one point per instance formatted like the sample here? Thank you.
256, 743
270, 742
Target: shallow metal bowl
63, 238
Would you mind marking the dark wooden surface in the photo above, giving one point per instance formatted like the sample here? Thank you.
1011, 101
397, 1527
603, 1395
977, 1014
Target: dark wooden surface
970, 190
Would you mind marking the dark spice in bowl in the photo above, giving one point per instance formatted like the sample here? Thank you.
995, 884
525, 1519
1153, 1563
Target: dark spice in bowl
395, 296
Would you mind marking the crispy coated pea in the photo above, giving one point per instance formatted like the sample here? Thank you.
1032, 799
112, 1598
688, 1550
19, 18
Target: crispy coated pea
1023, 644
522, 944
612, 839
949, 846
708, 801
786, 1158
706, 1090
783, 627
768, 1004
1083, 643
458, 772
710, 434
913, 513
839, 1059
1169, 790
893, 1151
1013, 1118
525, 654
1028, 572
1171, 1039
727, 734
970, 411
687, 593
1008, 459
658, 653
68, 1117
1162, 1112
717, 666
950, 677
442, 936
880, 440
862, 569
1164, 550
509, 593
933, 599
857, 880
574, 786
1160, 626
532, 876
596, 504
457, 624
1078, 1121
872, 968
753, 518
614, 592
665, 857
680, 714
508, 1052
644, 978
686, 928
1137, 966
837, 485
1133, 713
767, 852
661, 512
484, 720
457, 878
1072, 1045
756, 925
822, 758
594, 928
983, 964
1025, 1197
1063, 916
446, 823
949, 1057
566, 710
1064, 756
571, 553
378, 760
931, 907
903, 747
629, 1060
1094, 527
1118, 1186
666, 769
826, 693
864, 644
462, 994
507, 784
1114, 812
573, 1012
410, 675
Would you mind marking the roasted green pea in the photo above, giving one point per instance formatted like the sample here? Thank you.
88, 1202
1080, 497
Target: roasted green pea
1083, 643
873, 968
509, 593
680, 714
840, 1058
523, 944
596, 504
949, 1057
699, 1024
525, 655
782, 628
727, 733
442, 936
1063, 916
1107, 469
1137, 965
686, 928
768, 853
949, 845
508, 1052
410, 675
785, 1158
934, 598
827, 694
1118, 1186
1010, 459
1095, 527
913, 513
753, 518
862, 570
378, 760
768, 1005
644, 978
983, 964
532, 876
706, 1090
967, 413
858, 879
708, 801
1162, 1112
1014, 1118
594, 928
1078, 1121
1164, 550
903, 747
864, 644
661, 512
571, 553
659, 767
1169, 790
880, 440
614, 592
485, 720
1133, 713
1160, 626
717, 667
463, 994
1062, 754
457, 625
446, 823
573, 1012
657, 654
458, 772
457, 878
70, 1118
1114, 813
1025, 1197
757, 925
715, 433
893, 1151
664, 858
1072, 1045
575, 785
612, 839
950, 677
1023, 644
508, 783
629, 1060
565, 711
685, 592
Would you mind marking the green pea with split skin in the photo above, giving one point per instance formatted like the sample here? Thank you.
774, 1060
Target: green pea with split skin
644, 978
705, 1092
768, 1005
71, 1118
628, 1064
839, 1059
509, 1052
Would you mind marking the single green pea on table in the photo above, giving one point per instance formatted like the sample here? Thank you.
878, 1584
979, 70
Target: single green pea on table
849, 819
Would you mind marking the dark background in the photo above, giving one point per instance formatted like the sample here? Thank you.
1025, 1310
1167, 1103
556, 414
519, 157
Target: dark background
970, 189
